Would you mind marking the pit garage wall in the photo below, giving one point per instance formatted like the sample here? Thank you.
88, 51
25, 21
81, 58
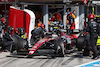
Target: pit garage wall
81, 17
45, 16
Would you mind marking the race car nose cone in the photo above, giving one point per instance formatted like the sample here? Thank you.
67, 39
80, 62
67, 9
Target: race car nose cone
31, 52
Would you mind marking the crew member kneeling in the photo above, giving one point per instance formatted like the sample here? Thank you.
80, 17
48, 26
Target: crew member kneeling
7, 39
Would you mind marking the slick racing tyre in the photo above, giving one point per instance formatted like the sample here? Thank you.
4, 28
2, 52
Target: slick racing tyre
59, 48
11, 48
15, 40
22, 44
62, 52
80, 43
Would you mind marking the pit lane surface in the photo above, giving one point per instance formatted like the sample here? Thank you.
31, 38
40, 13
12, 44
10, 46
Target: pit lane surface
70, 60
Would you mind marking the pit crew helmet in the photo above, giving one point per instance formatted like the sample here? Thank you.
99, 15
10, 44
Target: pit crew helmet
16, 31
42, 25
21, 31
3, 20
10, 29
91, 16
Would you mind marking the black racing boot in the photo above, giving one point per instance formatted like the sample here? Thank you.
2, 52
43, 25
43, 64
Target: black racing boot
95, 58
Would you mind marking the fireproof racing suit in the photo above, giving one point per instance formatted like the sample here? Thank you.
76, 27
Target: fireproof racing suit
7, 41
37, 33
93, 29
88, 47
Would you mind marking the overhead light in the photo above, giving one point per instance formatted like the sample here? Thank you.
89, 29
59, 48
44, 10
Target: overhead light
67, 1
25, 5
91, 0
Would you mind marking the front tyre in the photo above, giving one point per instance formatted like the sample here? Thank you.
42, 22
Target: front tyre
62, 51
59, 47
11, 49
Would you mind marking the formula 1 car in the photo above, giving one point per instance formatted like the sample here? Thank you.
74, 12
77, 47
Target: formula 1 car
51, 45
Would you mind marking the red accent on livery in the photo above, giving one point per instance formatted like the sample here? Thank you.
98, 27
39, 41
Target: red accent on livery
86, 33
69, 36
74, 36
38, 44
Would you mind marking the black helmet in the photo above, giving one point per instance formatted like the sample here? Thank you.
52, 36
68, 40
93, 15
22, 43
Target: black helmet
10, 29
21, 31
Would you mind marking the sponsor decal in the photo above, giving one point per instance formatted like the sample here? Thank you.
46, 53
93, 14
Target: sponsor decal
31, 52
38, 44
85, 1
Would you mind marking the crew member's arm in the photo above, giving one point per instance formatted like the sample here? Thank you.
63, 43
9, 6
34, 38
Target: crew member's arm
8, 36
32, 32
42, 33
87, 28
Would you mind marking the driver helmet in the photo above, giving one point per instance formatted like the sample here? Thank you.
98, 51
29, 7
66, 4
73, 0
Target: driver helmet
10, 29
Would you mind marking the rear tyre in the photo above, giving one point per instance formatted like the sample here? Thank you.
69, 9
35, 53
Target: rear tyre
15, 41
22, 44
80, 43
62, 51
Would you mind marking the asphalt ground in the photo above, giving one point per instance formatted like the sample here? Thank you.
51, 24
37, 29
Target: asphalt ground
70, 60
